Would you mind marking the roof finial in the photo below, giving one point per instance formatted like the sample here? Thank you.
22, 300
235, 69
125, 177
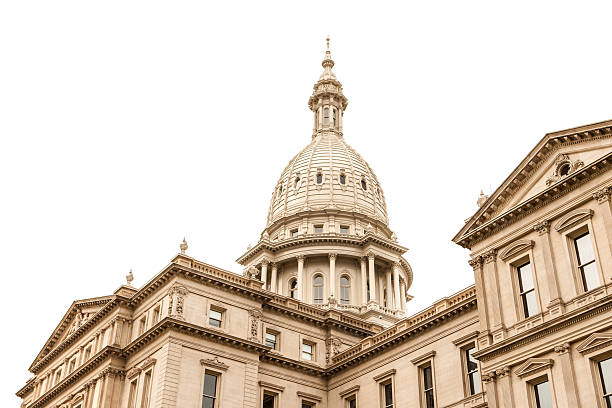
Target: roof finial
184, 246
327, 42
129, 278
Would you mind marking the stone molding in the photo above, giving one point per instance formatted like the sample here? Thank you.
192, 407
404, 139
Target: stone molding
572, 218
310, 397
533, 365
385, 375
516, 248
594, 342
214, 363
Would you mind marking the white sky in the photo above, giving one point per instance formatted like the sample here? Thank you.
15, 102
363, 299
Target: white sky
126, 125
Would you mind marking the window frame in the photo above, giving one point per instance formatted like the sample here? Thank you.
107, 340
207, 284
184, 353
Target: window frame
292, 292
577, 267
142, 325
344, 229
520, 259
346, 301
320, 287
276, 333
217, 309
595, 355
133, 396
313, 350
382, 380
144, 392
217, 397
423, 362
467, 373
294, 232
317, 227
523, 293
266, 388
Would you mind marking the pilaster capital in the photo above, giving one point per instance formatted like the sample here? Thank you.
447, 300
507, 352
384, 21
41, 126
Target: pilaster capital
273, 265
476, 263
603, 195
542, 227
371, 256
502, 372
562, 348
490, 256
397, 265
332, 256
300, 258
488, 377
265, 262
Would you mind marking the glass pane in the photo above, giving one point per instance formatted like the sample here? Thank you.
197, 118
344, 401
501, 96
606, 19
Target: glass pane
475, 382
215, 315
531, 305
526, 277
608, 401
388, 395
589, 273
208, 402
429, 399
210, 385
605, 370
472, 363
584, 249
307, 348
352, 403
268, 401
543, 397
427, 378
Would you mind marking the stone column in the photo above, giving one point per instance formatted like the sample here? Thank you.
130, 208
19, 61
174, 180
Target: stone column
396, 286
505, 388
543, 230
300, 277
571, 392
481, 293
274, 277
364, 282
264, 273
489, 382
372, 277
403, 295
388, 290
332, 275
489, 275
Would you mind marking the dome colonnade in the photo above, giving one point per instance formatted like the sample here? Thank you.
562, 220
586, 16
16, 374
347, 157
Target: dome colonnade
327, 239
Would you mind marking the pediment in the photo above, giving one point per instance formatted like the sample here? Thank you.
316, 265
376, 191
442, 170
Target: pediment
573, 218
77, 315
557, 159
533, 365
516, 248
594, 342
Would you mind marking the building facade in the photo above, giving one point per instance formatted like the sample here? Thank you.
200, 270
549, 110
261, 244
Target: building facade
318, 318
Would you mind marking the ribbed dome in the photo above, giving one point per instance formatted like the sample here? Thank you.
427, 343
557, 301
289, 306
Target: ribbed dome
328, 174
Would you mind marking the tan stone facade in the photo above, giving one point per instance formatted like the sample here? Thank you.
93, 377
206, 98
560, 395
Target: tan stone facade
318, 317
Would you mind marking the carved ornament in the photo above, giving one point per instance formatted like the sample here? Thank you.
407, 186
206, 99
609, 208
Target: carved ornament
603, 195
214, 362
563, 163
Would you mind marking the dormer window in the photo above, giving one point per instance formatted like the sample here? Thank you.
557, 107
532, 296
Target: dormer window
326, 116
364, 185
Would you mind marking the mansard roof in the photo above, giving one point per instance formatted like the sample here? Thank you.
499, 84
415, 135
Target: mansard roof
495, 213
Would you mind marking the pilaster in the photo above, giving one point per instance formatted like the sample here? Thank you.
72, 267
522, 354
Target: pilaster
555, 306
506, 399
569, 380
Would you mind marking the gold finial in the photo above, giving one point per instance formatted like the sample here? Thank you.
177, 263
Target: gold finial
129, 278
184, 246
328, 42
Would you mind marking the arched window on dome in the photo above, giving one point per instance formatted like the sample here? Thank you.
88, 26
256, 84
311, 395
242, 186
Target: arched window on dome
298, 182
345, 290
293, 288
364, 185
319, 176
317, 289
342, 177
334, 121
326, 116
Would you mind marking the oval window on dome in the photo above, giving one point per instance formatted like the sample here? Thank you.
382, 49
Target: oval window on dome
319, 177
364, 185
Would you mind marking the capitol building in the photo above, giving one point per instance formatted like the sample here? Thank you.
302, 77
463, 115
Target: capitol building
318, 317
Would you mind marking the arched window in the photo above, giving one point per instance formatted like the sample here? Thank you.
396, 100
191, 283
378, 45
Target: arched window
342, 178
326, 116
293, 288
334, 122
317, 289
364, 185
345, 290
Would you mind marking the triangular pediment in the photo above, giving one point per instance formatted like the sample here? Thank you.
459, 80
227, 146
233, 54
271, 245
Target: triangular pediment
594, 342
556, 160
77, 314
533, 365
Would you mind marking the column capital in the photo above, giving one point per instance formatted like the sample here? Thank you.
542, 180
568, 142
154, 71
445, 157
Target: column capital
300, 258
490, 256
542, 227
265, 262
332, 256
488, 377
476, 263
502, 372
397, 265
562, 348
370, 255
603, 195
273, 264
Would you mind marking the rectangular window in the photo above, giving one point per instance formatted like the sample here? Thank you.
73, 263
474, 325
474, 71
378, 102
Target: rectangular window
269, 400
542, 395
344, 229
132, 394
605, 373
387, 394
87, 353
351, 402
155, 317
586, 261
318, 229
294, 233
307, 351
209, 394
215, 318
58, 377
142, 325
146, 390
271, 340
72, 365
428, 388
527, 290
471, 370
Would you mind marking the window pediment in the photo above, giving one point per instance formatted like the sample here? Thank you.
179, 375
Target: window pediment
516, 248
571, 219
594, 342
533, 365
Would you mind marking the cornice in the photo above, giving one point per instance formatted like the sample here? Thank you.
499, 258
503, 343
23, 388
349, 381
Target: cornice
593, 309
94, 362
111, 303
308, 368
324, 238
527, 207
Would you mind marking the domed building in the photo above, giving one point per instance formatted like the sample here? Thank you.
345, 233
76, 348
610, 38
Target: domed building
327, 240
318, 317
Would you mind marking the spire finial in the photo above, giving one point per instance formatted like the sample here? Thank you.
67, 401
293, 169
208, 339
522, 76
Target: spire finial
129, 278
184, 246
327, 42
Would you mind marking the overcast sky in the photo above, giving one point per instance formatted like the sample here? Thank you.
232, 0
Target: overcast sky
126, 125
